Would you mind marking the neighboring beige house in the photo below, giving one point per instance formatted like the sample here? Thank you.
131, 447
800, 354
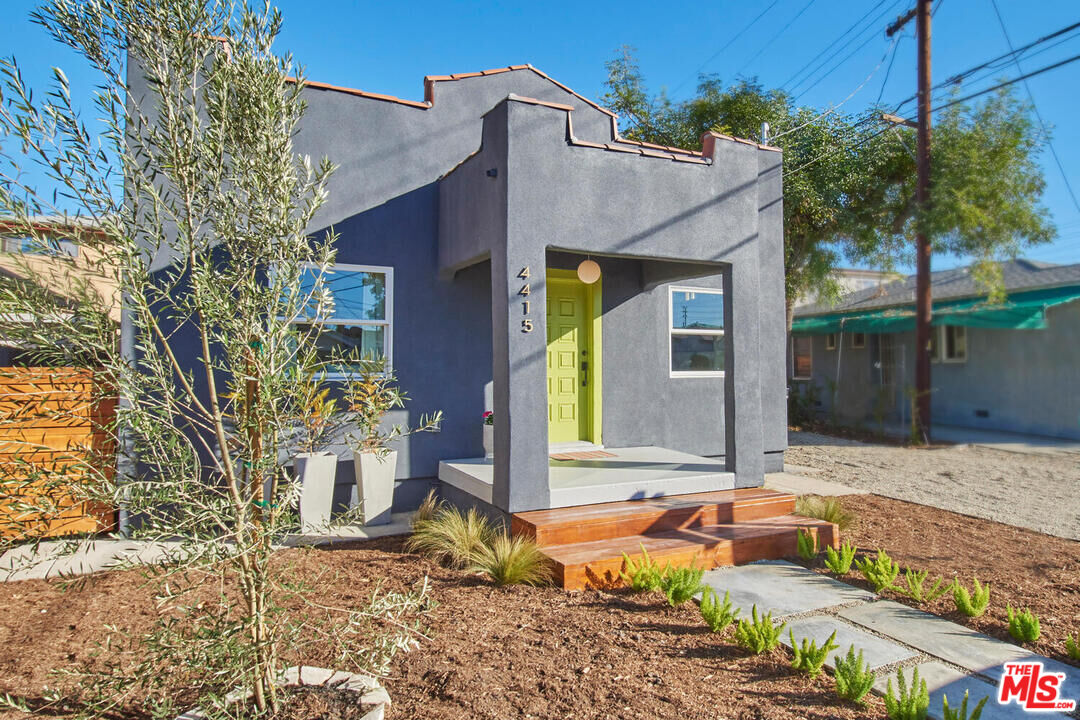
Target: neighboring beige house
51, 250
850, 280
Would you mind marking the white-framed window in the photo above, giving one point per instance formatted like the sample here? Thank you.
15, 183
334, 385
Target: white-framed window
948, 343
830, 341
362, 318
858, 340
696, 332
802, 357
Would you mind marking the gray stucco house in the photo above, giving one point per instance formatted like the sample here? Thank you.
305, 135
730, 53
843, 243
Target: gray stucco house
473, 208
1008, 366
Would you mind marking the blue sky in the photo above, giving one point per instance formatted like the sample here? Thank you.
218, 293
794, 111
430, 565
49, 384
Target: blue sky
389, 47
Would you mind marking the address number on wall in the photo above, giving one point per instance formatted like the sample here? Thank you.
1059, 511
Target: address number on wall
524, 292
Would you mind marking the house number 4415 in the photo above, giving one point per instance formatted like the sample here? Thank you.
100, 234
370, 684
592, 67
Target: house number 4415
524, 292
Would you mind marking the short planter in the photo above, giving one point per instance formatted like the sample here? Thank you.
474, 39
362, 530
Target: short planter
316, 473
369, 692
375, 485
489, 441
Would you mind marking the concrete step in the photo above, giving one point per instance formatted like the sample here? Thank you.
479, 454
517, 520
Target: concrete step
605, 521
598, 563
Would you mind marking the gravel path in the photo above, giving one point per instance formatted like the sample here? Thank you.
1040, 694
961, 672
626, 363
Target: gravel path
1036, 491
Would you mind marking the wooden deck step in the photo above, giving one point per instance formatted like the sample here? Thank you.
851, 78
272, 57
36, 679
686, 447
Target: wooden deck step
605, 521
597, 564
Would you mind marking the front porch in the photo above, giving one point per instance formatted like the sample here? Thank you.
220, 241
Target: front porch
632, 473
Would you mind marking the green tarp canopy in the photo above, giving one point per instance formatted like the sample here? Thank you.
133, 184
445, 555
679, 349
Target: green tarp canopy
1020, 311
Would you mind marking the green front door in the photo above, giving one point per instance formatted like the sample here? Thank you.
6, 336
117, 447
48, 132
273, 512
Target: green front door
568, 319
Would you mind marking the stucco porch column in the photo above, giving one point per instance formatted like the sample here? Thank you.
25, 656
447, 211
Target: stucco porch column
519, 374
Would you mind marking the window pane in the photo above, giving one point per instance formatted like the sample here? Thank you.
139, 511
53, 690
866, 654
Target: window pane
41, 246
366, 340
802, 348
697, 353
697, 310
357, 295
955, 342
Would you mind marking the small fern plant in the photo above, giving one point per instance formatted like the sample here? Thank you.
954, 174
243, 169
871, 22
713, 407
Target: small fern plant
972, 604
853, 677
914, 580
840, 562
644, 575
961, 713
909, 703
759, 634
809, 658
1023, 626
1072, 647
881, 571
717, 615
681, 584
807, 545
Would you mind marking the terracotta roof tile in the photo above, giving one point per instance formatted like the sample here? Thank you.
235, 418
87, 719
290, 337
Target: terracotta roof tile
361, 93
544, 103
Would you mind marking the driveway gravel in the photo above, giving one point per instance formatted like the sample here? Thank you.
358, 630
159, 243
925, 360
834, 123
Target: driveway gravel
1035, 491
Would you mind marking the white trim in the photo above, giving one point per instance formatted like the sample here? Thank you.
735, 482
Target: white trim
388, 303
944, 345
830, 341
672, 331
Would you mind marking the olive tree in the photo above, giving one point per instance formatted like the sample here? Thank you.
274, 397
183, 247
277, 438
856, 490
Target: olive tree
201, 209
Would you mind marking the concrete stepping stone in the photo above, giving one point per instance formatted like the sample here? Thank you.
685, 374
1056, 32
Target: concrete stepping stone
782, 588
953, 643
943, 680
877, 651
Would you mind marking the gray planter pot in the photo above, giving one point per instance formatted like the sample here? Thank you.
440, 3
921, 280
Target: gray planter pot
368, 690
316, 473
375, 485
489, 441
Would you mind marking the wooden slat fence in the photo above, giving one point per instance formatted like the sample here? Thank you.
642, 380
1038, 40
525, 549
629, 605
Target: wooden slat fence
52, 440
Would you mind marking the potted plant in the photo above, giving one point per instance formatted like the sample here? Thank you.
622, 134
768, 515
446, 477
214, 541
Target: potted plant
489, 434
315, 468
371, 392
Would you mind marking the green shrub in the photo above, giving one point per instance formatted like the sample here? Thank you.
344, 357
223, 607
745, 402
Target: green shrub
807, 545
840, 562
759, 634
827, 509
1072, 647
717, 615
914, 587
644, 575
513, 561
426, 512
961, 713
681, 584
880, 572
451, 537
972, 605
908, 704
809, 658
853, 677
1024, 626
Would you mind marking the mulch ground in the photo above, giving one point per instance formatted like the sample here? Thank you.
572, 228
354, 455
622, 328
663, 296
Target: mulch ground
539, 652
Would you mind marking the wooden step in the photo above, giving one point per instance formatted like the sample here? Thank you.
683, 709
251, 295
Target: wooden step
597, 564
604, 521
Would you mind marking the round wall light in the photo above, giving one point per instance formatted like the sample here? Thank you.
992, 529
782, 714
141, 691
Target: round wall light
588, 272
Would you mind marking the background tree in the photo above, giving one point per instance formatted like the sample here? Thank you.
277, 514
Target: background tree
849, 182
199, 169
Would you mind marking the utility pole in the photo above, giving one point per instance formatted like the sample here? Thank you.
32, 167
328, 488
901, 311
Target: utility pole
921, 13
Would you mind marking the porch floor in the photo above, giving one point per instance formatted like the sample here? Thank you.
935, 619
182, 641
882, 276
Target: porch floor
631, 474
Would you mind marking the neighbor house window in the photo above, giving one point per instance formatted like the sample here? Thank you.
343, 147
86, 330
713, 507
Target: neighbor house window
697, 331
858, 340
948, 343
802, 357
40, 246
830, 341
361, 321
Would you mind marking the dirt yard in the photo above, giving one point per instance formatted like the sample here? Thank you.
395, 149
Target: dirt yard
1035, 491
540, 652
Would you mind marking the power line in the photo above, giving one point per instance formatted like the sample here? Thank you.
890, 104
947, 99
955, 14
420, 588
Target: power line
771, 40
869, 27
888, 70
830, 45
838, 65
1035, 107
727, 44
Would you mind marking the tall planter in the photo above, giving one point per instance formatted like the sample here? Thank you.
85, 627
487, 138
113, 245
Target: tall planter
489, 441
316, 472
375, 485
